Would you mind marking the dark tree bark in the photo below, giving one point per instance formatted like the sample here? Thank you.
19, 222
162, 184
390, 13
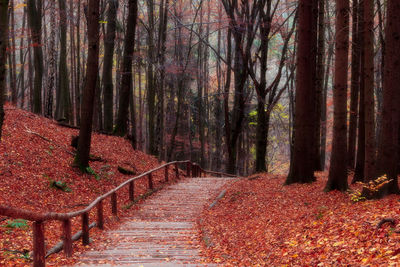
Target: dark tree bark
162, 35
388, 153
85, 133
218, 112
338, 168
35, 23
301, 165
121, 126
369, 167
3, 58
360, 159
63, 108
109, 41
151, 84
22, 53
319, 87
52, 63
12, 53
78, 69
355, 84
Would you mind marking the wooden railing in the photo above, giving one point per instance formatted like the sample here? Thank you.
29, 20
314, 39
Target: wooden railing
38, 219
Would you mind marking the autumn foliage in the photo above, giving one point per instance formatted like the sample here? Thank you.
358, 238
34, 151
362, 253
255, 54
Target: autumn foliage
260, 222
36, 153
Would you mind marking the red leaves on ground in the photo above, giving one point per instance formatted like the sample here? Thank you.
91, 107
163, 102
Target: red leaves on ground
28, 163
263, 223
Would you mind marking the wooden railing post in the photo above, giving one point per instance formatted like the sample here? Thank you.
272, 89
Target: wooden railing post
151, 186
166, 173
176, 171
67, 238
100, 217
114, 208
132, 191
85, 229
188, 165
39, 250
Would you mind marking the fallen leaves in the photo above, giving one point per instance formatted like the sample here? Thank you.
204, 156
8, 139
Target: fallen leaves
28, 164
261, 222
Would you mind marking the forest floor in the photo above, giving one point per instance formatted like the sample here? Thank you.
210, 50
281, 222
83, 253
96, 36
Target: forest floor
34, 152
260, 222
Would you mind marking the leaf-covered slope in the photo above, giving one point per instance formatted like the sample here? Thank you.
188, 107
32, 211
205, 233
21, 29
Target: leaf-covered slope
260, 222
36, 151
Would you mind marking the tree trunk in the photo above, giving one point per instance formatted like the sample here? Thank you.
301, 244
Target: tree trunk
13, 65
3, 47
151, 85
126, 79
338, 169
78, 69
301, 166
52, 69
22, 54
319, 83
85, 134
360, 159
63, 109
388, 153
108, 65
35, 23
162, 38
369, 167
355, 83
261, 138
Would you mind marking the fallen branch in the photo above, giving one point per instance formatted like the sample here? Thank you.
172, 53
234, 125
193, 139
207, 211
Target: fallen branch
386, 220
59, 246
95, 158
126, 171
63, 124
253, 178
48, 140
221, 195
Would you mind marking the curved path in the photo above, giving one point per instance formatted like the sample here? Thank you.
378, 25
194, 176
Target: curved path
162, 232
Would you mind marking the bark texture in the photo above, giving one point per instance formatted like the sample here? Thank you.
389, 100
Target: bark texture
301, 165
338, 169
85, 133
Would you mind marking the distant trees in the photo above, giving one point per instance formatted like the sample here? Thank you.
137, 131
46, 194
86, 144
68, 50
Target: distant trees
238, 84
242, 15
3, 56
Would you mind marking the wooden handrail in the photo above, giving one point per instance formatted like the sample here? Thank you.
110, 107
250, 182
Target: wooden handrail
192, 169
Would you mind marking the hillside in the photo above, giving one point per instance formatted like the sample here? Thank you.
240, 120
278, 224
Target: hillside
36, 151
260, 222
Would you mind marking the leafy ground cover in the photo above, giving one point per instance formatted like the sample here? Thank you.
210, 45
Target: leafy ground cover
260, 222
35, 159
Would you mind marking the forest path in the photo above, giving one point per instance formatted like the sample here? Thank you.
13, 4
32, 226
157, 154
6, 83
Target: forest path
162, 232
